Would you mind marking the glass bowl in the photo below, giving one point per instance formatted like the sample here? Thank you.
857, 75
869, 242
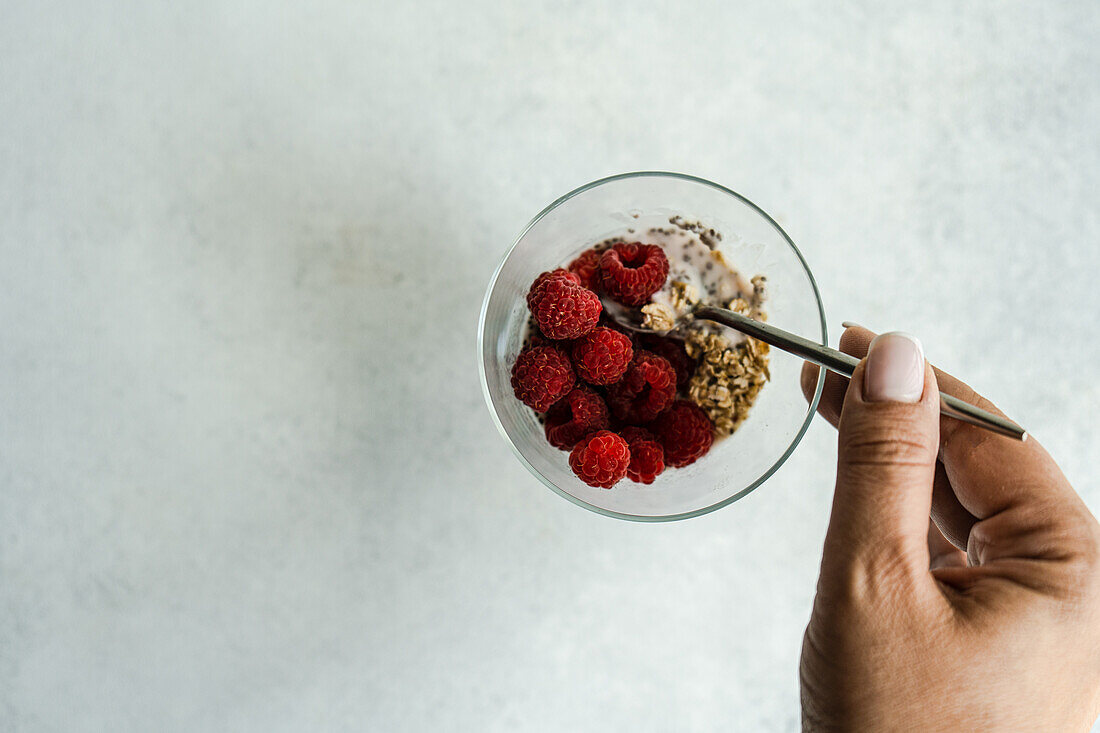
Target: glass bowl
753, 243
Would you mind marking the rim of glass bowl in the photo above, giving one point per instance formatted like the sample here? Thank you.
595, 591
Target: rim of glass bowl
812, 407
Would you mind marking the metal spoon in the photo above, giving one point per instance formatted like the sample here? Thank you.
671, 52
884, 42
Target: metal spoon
831, 359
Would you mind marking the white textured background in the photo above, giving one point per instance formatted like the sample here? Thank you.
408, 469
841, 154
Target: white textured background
247, 479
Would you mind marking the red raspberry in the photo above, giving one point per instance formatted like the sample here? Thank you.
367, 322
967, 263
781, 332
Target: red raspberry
685, 432
632, 433
672, 350
565, 310
541, 376
587, 268
602, 356
630, 273
601, 459
647, 455
539, 286
580, 413
645, 390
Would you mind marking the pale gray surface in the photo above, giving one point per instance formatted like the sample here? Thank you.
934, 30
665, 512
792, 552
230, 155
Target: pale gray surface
247, 480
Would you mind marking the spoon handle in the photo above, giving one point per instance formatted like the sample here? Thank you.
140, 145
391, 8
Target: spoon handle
845, 364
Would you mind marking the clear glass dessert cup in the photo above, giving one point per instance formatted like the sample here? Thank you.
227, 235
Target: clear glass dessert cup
753, 242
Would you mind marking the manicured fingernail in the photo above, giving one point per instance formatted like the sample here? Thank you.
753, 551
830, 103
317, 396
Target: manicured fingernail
895, 369
851, 324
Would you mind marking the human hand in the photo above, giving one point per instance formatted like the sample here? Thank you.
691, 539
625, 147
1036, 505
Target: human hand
987, 617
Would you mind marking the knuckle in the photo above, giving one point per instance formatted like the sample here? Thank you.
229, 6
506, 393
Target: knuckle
1060, 550
866, 444
1085, 558
978, 542
878, 578
1079, 577
887, 567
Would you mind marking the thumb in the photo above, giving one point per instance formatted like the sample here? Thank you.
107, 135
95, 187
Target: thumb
887, 447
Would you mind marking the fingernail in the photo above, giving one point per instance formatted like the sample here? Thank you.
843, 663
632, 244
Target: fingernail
895, 369
851, 324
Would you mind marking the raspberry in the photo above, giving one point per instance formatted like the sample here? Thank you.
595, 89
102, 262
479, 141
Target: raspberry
601, 459
587, 268
673, 351
645, 390
685, 432
581, 412
541, 376
632, 433
539, 286
565, 310
647, 455
630, 273
602, 356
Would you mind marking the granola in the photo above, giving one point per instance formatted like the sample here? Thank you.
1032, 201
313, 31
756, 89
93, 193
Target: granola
658, 317
728, 377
